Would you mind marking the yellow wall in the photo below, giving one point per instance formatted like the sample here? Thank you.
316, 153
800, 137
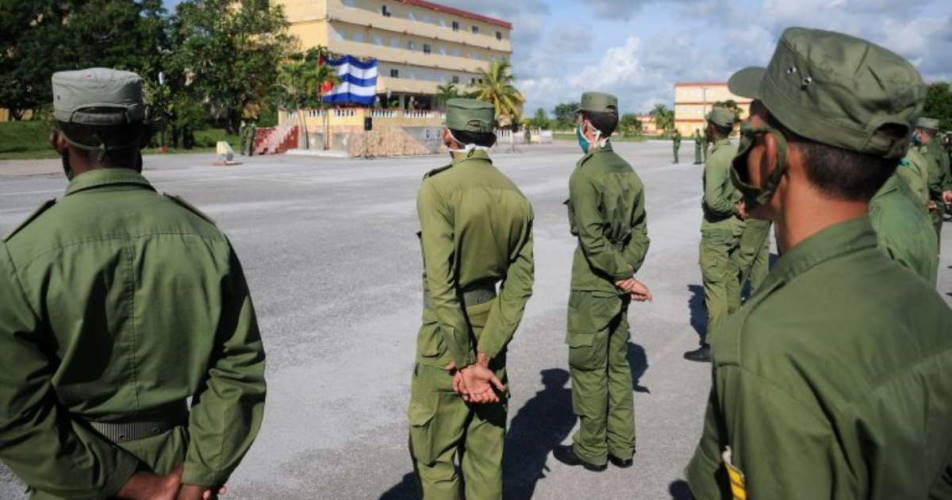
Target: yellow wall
692, 102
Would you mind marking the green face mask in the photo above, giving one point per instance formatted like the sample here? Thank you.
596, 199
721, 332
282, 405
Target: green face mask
757, 196
582, 141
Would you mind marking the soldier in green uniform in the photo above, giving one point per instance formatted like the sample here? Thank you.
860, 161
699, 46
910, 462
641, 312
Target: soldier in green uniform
606, 208
117, 305
903, 229
476, 238
835, 379
698, 146
915, 170
676, 144
721, 229
753, 254
939, 178
243, 136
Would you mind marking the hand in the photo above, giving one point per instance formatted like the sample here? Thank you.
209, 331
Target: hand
932, 206
148, 486
947, 197
477, 383
637, 290
741, 210
194, 492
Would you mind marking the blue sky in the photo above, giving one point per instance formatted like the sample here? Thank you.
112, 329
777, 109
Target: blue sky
638, 49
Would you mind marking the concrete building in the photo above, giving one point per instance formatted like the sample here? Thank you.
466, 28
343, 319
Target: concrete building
647, 124
419, 44
693, 100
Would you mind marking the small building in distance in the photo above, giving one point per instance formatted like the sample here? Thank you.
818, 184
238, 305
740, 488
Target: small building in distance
693, 101
647, 124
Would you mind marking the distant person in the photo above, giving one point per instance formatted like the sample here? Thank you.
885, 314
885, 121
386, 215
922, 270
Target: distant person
939, 177
607, 214
118, 306
476, 238
698, 147
676, 144
903, 229
721, 229
835, 379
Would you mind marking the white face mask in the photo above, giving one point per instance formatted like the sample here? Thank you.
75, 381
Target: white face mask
467, 148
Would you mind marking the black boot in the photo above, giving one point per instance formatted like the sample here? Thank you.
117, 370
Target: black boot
701, 354
566, 455
619, 462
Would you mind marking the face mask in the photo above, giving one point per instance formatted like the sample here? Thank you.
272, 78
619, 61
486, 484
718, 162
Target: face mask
582, 141
67, 168
755, 196
467, 148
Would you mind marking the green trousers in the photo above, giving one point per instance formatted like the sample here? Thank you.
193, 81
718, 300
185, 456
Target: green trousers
601, 376
936, 216
720, 274
697, 154
450, 438
753, 256
676, 148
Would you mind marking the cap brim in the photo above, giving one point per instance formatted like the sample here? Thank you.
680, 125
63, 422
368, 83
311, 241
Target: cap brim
746, 82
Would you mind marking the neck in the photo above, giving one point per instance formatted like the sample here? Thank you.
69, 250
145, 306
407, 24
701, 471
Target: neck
814, 212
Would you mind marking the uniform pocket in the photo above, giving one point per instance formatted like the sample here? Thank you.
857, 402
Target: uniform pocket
422, 438
430, 342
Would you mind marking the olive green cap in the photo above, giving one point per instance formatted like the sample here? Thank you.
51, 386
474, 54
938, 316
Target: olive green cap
599, 102
470, 115
838, 90
98, 96
927, 123
722, 117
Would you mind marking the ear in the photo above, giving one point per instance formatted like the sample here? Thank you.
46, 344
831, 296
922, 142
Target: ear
58, 142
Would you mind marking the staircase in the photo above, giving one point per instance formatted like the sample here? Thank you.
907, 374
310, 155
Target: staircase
275, 140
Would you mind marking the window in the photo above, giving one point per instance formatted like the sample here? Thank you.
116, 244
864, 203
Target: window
499, 35
340, 35
455, 25
378, 40
385, 11
442, 51
442, 23
427, 18
475, 29
358, 36
410, 16
427, 49
348, 3
411, 45
395, 43
394, 73
455, 79
456, 52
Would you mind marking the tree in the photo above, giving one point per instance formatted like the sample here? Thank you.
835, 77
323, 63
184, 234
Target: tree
226, 55
939, 104
540, 120
731, 105
565, 115
663, 118
630, 124
300, 79
496, 86
41, 37
446, 92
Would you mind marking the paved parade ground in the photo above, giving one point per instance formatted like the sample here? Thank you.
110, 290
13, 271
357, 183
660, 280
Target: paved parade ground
330, 251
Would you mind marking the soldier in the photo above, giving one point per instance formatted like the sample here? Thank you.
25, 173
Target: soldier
721, 229
940, 179
698, 147
676, 143
607, 213
117, 305
243, 136
252, 133
835, 379
753, 253
458, 401
903, 230
917, 165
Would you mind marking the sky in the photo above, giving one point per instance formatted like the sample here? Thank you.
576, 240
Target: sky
638, 49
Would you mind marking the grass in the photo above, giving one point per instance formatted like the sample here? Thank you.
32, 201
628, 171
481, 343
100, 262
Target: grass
27, 140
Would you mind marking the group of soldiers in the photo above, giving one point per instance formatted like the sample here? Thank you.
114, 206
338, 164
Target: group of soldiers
134, 367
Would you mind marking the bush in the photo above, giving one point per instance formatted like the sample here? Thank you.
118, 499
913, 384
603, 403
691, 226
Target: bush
24, 136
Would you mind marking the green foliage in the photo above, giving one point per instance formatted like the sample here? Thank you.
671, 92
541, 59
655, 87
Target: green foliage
444, 93
497, 87
300, 78
539, 120
663, 118
21, 137
565, 115
939, 104
629, 125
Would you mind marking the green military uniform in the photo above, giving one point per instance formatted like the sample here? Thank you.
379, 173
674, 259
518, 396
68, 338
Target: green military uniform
117, 305
835, 379
676, 144
940, 179
698, 145
902, 229
753, 254
721, 229
914, 170
476, 233
607, 213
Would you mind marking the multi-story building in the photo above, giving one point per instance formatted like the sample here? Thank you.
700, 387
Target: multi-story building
418, 44
693, 101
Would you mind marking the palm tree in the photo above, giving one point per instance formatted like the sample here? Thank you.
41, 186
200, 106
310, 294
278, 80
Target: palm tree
444, 93
496, 86
301, 78
663, 117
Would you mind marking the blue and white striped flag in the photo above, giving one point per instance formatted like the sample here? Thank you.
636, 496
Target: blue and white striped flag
358, 81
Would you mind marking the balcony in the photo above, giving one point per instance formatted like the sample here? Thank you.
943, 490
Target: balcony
406, 56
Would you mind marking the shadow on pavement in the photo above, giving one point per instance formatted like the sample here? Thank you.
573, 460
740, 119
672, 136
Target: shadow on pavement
679, 490
698, 311
405, 490
639, 365
541, 425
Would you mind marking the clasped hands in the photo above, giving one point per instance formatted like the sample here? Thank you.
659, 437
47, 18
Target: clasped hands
145, 485
476, 383
635, 289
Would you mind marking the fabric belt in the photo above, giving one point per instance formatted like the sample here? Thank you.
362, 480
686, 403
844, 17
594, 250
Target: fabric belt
151, 425
472, 296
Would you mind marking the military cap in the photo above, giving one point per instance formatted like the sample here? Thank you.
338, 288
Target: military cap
838, 90
927, 123
98, 96
470, 115
722, 117
598, 102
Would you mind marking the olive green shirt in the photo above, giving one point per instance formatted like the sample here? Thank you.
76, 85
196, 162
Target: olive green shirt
475, 230
115, 302
914, 170
940, 179
833, 381
607, 213
903, 230
719, 203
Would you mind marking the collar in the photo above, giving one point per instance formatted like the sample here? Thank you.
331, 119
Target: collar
106, 177
721, 143
838, 239
476, 154
891, 184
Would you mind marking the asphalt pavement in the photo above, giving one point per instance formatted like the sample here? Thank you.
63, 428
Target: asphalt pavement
333, 262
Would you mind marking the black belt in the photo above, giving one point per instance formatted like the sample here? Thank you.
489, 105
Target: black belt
472, 296
149, 425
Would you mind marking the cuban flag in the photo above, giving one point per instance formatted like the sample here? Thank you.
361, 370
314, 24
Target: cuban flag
358, 81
